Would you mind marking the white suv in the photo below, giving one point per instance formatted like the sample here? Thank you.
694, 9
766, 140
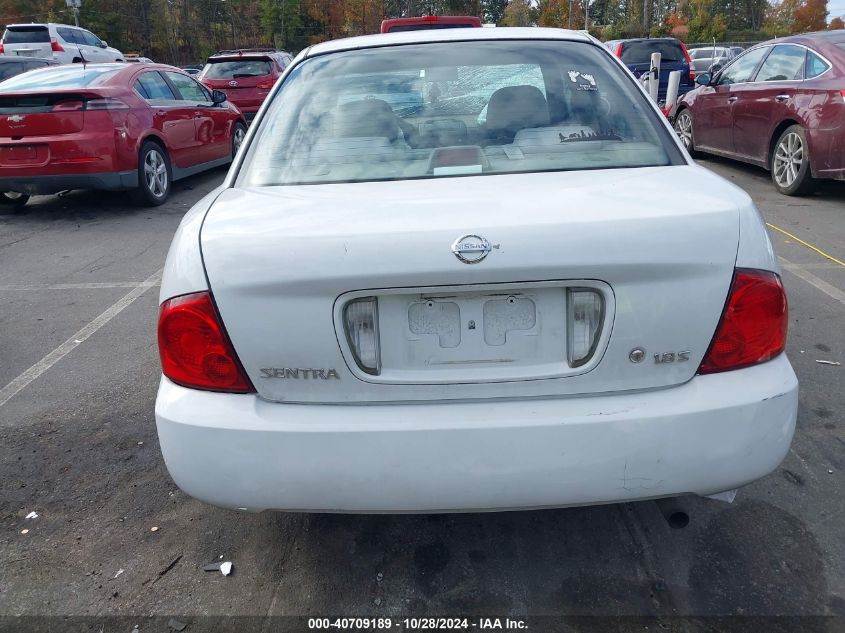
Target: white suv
60, 42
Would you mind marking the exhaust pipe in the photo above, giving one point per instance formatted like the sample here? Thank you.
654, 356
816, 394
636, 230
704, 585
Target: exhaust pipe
673, 512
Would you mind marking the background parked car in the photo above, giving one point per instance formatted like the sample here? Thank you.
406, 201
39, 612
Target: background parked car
780, 105
703, 59
112, 126
245, 76
9, 67
636, 54
394, 25
60, 42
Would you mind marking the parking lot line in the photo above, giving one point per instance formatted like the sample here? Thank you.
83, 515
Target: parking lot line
807, 244
81, 286
75, 340
799, 271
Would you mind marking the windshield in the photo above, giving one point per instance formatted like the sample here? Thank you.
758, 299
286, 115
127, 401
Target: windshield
26, 35
237, 69
70, 76
431, 110
640, 52
707, 53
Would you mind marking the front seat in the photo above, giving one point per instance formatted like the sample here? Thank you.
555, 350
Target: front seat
515, 108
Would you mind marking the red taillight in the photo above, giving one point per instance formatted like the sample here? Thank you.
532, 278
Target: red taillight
689, 61
69, 106
266, 85
429, 18
2, 49
194, 348
841, 92
55, 46
619, 51
107, 103
754, 323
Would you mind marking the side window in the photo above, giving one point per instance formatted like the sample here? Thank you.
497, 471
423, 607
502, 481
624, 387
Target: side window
67, 35
741, 70
89, 38
786, 63
188, 88
815, 66
152, 86
10, 69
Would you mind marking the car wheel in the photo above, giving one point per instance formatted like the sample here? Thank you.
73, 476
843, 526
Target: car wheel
683, 128
791, 163
153, 175
13, 199
238, 135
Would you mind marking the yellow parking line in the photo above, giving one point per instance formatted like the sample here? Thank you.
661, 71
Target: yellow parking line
808, 245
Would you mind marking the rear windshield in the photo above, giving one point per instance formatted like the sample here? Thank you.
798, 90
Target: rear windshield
26, 35
237, 69
60, 77
707, 53
426, 25
640, 52
452, 109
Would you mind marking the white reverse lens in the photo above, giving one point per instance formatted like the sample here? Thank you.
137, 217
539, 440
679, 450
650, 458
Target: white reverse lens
361, 321
586, 313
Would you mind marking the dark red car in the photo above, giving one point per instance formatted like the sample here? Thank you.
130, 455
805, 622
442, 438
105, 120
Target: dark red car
779, 105
112, 126
394, 25
245, 76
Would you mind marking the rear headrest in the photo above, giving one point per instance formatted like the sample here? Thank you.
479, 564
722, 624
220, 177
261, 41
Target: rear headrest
366, 118
515, 108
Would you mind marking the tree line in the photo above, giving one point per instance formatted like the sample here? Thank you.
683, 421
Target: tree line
187, 31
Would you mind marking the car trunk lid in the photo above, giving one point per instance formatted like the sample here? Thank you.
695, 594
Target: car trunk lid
284, 263
28, 40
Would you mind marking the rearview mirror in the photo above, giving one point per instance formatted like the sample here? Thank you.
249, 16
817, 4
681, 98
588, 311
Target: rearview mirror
703, 79
218, 97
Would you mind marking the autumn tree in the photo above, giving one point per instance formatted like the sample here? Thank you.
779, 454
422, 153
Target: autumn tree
836, 23
518, 13
811, 15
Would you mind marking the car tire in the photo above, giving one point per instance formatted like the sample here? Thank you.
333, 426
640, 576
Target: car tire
13, 199
683, 128
238, 135
790, 163
154, 175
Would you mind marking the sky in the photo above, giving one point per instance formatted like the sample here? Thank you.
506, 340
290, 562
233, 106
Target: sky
835, 8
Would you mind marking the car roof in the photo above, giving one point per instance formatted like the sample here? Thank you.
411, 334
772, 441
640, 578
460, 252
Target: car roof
649, 39
69, 26
239, 53
829, 43
40, 60
447, 35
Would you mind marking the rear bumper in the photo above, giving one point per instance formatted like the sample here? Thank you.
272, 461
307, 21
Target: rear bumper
714, 433
34, 185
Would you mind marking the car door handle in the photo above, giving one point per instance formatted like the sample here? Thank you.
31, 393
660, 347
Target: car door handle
781, 98
197, 115
161, 113
732, 99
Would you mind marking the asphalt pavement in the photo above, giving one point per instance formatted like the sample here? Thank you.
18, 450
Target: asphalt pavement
116, 544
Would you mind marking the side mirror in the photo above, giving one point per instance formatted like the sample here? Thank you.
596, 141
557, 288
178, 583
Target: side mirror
716, 68
703, 79
218, 97
104, 44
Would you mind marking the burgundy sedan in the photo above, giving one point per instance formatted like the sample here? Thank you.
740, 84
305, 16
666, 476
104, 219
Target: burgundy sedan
780, 105
135, 127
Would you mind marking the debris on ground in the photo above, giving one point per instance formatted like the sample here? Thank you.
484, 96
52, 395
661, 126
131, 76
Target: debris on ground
119, 571
154, 528
829, 362
24, 531
167, 569
379, 576
224, 568
175, 625
137, 629
31, 515
140, 443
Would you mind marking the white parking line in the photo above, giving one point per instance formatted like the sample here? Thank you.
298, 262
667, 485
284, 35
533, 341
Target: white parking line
81, 336
80, 286
799, 271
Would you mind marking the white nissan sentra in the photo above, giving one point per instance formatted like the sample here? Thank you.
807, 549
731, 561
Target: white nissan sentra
463, 270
